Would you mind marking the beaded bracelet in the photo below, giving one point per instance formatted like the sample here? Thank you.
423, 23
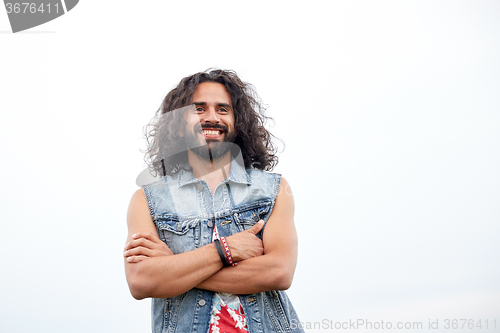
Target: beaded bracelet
222, 256
228, 252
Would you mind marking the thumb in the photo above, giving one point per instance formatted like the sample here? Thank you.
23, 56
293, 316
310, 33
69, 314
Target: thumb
257, 227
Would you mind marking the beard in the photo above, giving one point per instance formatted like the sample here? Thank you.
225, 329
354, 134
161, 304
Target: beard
210, 149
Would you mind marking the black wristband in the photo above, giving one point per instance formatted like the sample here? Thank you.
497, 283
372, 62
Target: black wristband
222, 255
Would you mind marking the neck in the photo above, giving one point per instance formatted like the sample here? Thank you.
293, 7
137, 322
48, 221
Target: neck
210, 170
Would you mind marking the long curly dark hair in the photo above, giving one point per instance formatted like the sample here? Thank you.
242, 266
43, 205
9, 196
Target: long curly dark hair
162, 133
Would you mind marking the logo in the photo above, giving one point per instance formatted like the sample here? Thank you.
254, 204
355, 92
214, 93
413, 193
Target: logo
25, 15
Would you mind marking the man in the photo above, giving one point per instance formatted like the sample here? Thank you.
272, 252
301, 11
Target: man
213, 241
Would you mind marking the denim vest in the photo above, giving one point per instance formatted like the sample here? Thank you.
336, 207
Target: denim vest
184, 212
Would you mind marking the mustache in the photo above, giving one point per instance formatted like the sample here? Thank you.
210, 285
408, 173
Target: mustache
215, 126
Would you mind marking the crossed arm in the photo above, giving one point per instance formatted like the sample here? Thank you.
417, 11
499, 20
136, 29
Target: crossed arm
152, 270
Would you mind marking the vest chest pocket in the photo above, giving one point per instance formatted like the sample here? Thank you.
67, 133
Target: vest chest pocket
249, 215
178, 234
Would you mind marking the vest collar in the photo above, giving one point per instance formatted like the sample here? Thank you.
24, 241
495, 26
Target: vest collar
237, 174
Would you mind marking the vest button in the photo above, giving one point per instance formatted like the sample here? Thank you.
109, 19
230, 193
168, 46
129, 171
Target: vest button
210, 224
201, 302
199, 187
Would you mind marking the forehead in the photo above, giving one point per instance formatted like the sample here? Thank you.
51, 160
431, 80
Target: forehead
211, 92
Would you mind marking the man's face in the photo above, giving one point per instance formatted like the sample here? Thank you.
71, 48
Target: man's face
211, 123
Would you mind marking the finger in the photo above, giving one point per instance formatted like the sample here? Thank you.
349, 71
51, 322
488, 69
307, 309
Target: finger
256, 227
147, 235
135, 259
140, 242
138, 251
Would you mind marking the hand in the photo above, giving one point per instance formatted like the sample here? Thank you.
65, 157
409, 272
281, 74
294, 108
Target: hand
144, 246
244, 244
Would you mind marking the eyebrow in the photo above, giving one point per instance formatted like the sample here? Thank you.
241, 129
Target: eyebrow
218, 104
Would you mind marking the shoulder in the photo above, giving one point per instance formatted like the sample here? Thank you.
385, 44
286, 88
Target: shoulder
159, 183
285, 187
138, 195
138, 209
265, 181
260, 176
138, 200
160, 188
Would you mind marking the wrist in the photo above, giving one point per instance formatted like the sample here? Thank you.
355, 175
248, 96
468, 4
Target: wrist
222, 253
229, 257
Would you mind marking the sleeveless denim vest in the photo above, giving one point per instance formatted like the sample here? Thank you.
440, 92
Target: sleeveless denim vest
185, 212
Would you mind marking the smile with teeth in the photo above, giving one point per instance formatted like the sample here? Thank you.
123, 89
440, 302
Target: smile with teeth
211, 132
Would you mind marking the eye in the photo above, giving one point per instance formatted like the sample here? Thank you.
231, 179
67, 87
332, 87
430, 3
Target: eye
199, 110
223, 110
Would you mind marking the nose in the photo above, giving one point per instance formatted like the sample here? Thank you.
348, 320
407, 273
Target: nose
210, 116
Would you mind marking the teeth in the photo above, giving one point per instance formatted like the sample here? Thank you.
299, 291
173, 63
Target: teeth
206, 132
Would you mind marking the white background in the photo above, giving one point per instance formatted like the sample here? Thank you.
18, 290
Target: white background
389, 110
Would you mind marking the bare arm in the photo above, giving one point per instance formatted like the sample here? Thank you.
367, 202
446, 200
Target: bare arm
152, 270
272, 271
167, 275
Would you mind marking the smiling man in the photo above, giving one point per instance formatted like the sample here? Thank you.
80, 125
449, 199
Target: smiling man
212, 241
